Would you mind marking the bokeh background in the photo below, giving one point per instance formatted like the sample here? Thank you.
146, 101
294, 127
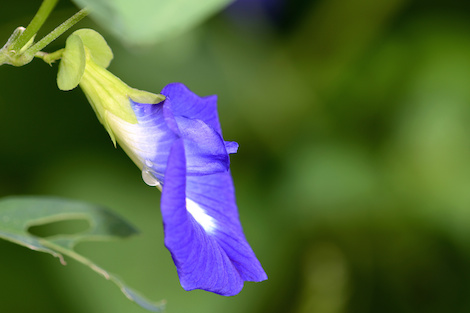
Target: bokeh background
352, 177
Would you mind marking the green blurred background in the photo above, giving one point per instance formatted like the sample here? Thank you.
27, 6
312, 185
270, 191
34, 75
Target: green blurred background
352, 177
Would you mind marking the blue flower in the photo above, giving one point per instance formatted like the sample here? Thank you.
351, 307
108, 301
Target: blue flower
176, 140
180, 144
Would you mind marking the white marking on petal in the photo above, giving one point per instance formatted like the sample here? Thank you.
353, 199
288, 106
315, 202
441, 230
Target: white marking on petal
206, 221
138, 140
131, 137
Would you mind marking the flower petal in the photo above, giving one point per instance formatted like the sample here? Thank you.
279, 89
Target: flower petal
147, 142
202, 230
231, 147
188, 104
205, 148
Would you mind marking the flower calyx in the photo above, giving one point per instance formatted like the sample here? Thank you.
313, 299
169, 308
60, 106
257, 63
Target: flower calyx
84, 61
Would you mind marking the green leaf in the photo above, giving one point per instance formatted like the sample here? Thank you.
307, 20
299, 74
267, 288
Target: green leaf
149, 21
72, 64
18, 214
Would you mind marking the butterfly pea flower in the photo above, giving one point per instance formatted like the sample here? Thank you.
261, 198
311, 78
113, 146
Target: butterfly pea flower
176, 140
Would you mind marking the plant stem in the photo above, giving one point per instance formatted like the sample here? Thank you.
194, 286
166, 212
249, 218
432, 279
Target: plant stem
50, 58
62, 28
38, 20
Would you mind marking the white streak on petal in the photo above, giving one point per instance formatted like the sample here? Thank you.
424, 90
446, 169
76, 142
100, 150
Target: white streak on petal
206, 221
138, 140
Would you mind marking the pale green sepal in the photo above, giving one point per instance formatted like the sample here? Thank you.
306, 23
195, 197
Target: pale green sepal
99, 50
141, 96
107, 94
72, 64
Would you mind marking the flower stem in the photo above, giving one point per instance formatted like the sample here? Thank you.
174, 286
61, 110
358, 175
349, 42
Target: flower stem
38, 20
50, 58
62, 28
